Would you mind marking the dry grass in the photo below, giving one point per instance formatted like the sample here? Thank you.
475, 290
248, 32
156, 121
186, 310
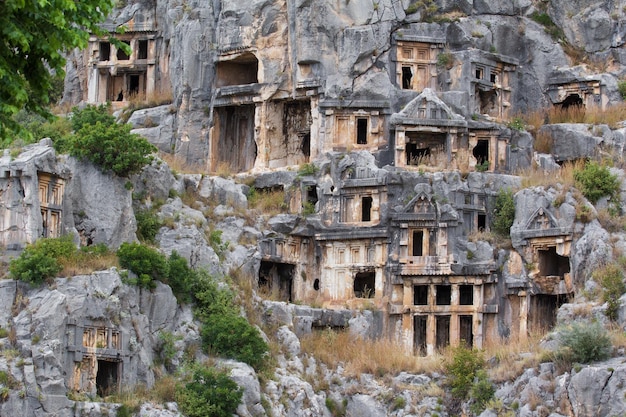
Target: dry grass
611, 223
533, 120
543, 142
482, 236
178, 164
612, 115
86, 263
537, 177
513, 357
223, 170
377, 357
268, 202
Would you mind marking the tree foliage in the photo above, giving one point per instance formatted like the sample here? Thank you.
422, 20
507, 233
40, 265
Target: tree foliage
33, 38
210, 393
41, 260
504, 213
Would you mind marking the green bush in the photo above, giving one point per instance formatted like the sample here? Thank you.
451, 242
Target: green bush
40, 261
504, 213
91, 115
210, 393
211, 299
585, 342
611, 278
147, 263
112, 147
596, 181
481, 392
233, 337
148, 225
180, 277
462, 369
517, 123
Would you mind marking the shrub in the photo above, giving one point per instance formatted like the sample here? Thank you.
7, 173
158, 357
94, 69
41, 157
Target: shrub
147, 263
596, 181
462, 368
91, 115
585, 342
504, 213
621, 87
307, 169
209, 393
233, 337
516, 124
148, 225
611, 278
481, 392
41, 260
180, 277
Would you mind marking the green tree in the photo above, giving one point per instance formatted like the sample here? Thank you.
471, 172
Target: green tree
34, 35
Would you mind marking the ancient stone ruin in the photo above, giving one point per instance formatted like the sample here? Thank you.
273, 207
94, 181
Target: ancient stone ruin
406, 124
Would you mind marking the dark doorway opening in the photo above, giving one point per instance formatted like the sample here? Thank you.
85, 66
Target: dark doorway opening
418, 243
107, 377
443, 331
361, 131
239, 71
133, 84
443, 295
466, 295
420, 295
407, 78
305, 145
552, 264
573, 100
481, 153
482, 222
366, 209
419, 334
276, 280
364, 285
466, 333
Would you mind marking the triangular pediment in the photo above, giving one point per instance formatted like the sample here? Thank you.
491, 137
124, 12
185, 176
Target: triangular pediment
542, 219
426, 106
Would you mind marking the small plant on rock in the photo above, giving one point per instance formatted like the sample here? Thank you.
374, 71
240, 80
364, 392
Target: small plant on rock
504, 213
585, 342
596, 181
611, 278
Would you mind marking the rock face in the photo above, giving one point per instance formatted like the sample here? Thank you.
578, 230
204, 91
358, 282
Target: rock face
70, 336
384, 132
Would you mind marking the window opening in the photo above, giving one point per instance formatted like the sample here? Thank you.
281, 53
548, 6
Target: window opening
466, 295
366, 209
311, 194
316, 285
479, 73
361, 131
142, 49
364, 284
418, 243
420, 295
407, 77
105, 51
121, 55
443, 295
419, 332
493, 77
